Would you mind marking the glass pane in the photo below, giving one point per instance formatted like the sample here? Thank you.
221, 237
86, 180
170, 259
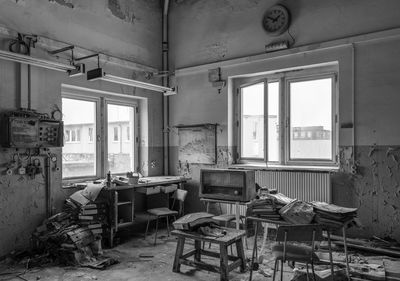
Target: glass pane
79, 151
311, 119
120, 150
252, 120
273, 122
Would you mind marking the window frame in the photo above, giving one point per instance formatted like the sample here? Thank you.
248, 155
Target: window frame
239, 121
135, 140
284, 77
334, 150
101, 133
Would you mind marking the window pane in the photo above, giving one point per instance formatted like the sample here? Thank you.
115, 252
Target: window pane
79, 155
115, 133
120, 153
311, 119
273, 122
252, 119
90, 134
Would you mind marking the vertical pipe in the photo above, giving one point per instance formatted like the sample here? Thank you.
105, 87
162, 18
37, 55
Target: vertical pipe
165, 82
49, 209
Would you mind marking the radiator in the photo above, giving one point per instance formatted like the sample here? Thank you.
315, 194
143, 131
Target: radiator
305, 186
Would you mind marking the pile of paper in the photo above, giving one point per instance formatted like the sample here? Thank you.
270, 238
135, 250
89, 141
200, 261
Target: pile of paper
332, 215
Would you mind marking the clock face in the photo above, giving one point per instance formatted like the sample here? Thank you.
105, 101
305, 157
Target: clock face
276, 20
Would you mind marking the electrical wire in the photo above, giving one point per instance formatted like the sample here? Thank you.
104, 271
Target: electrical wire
291, 36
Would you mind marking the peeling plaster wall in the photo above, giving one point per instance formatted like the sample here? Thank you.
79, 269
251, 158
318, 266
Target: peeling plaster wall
92, 25
212, 31
207, 31
129, 29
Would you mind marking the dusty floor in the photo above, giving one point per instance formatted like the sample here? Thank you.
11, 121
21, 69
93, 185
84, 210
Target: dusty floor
132, 266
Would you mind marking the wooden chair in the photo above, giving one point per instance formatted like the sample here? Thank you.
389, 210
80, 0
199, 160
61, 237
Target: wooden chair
164, 212
294, 252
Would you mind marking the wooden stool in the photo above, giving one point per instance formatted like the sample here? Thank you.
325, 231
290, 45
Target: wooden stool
232, 236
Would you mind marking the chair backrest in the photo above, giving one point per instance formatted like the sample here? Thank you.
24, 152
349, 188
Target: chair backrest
299, 233
180, 195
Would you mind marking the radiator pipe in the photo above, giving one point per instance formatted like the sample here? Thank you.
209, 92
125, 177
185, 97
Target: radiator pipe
165, 82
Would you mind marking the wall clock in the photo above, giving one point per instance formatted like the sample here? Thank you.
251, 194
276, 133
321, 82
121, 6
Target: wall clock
276, 20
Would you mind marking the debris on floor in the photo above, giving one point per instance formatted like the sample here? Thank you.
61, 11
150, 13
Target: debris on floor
72, 237
65, 241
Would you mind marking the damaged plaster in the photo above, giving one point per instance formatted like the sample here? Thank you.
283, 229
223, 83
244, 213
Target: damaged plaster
63, 3
374, 189
122, 9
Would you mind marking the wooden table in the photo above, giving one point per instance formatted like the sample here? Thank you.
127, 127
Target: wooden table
232, 236
257, 220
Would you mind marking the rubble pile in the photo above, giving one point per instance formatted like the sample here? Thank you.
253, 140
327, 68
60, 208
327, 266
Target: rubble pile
63, 238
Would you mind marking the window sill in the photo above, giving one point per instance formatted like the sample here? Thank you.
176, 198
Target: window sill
262, 166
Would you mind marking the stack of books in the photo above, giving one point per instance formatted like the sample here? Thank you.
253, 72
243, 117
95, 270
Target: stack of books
332, 215
93, 216
264, 208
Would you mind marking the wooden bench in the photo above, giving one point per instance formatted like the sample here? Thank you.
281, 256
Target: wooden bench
232, 236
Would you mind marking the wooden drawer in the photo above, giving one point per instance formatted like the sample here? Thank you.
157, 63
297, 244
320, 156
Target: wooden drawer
168, 188
148, 190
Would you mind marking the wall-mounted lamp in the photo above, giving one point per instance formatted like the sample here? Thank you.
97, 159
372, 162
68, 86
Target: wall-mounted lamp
79, 68
5, 55
99, 74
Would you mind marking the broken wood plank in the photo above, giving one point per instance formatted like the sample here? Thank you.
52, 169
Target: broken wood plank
371, 249
392, 268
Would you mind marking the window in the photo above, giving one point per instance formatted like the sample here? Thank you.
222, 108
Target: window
297, 112
90, 132
88, 152
128, 133
120, 154
79, 159
116, 135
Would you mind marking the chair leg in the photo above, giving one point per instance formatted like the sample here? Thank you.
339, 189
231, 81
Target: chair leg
313, 271
147, 227
275, 268
281, 270
155, 238
308, 273
167, 226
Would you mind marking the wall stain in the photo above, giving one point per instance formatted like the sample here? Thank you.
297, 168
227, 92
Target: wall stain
122, 10
64, 3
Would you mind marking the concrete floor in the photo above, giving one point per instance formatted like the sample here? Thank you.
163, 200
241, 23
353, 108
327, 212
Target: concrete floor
132, 267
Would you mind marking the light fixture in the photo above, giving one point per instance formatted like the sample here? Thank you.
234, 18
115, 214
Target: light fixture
98, 74
5, 55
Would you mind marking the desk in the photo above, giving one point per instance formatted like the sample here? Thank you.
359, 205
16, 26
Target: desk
232, 237
282, 222
122, 199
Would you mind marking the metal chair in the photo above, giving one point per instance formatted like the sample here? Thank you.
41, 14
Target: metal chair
164, 212
297, 253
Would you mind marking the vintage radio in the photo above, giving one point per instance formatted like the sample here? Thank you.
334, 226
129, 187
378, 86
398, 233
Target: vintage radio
225, 184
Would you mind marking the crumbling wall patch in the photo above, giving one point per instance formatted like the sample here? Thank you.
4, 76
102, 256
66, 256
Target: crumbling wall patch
64, 3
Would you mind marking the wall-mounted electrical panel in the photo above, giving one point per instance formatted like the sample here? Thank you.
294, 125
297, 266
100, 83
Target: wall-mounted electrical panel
31, 132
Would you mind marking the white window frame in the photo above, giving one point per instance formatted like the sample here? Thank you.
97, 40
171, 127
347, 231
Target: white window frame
122, 102
101, 100
285, 78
